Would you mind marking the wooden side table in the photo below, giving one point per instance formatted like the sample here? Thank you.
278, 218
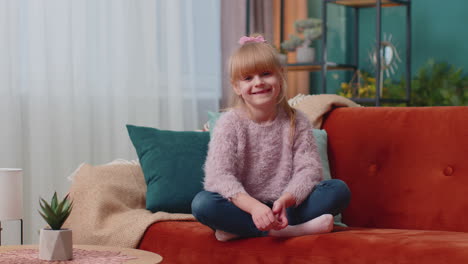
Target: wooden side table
137, 256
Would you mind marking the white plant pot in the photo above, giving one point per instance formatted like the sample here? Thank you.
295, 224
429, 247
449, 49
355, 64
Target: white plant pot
305, 54
55, 244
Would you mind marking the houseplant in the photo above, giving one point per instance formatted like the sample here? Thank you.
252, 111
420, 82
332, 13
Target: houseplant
55, 243
307, 31
439, 84
434, 84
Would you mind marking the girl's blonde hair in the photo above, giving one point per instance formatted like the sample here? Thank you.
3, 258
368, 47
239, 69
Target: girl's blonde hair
254, 57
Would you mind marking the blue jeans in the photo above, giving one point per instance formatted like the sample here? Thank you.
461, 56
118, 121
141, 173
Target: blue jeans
215, 211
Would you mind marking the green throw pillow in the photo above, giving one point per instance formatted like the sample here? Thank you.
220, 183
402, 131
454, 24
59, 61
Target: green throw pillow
321, 138
172, 163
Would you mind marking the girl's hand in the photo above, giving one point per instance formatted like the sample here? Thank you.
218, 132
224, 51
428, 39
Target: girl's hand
263, 217
279, 210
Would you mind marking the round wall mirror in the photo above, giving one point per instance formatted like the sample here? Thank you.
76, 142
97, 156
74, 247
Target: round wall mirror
387, 55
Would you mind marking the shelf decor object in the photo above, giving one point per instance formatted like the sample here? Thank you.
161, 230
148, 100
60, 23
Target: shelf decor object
307, 31
390, 56
11, 196
389, 59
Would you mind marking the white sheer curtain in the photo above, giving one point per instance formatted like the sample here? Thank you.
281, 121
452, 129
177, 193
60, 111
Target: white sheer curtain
74, 72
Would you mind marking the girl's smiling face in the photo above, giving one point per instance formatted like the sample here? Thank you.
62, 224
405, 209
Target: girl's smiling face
259, 89
257, 77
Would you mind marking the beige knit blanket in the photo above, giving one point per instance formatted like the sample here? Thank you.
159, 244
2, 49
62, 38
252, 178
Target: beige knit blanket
316, 106
109, 205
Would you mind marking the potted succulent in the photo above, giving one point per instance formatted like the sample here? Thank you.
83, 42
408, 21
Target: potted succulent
310, 29
55, 243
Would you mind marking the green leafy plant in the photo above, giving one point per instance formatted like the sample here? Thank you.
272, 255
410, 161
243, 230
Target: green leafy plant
363, 85
310, 29
280, 49
435, 84
292, 43
55, 213
439, 84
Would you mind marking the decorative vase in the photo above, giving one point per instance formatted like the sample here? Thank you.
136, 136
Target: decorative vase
305, 54
55, 244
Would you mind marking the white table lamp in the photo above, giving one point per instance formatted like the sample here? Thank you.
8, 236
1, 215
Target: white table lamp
11, 196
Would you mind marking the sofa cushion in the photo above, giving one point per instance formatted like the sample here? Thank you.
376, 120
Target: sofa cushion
192, 242
172, 164
406, 167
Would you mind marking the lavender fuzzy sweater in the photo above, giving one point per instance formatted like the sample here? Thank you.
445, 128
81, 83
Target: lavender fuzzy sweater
247, 157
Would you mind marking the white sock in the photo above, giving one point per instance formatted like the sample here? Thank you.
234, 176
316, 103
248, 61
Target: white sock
224, 236
318, 225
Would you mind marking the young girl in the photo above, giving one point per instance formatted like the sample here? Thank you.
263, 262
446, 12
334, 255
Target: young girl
263, 175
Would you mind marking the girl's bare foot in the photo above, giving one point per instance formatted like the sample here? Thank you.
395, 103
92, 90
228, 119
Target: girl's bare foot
224, 236
318, 225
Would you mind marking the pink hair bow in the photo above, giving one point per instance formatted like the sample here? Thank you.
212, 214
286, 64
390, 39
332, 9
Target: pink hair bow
246, 39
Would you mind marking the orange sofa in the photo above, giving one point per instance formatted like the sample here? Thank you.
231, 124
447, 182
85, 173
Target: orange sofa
407, 169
